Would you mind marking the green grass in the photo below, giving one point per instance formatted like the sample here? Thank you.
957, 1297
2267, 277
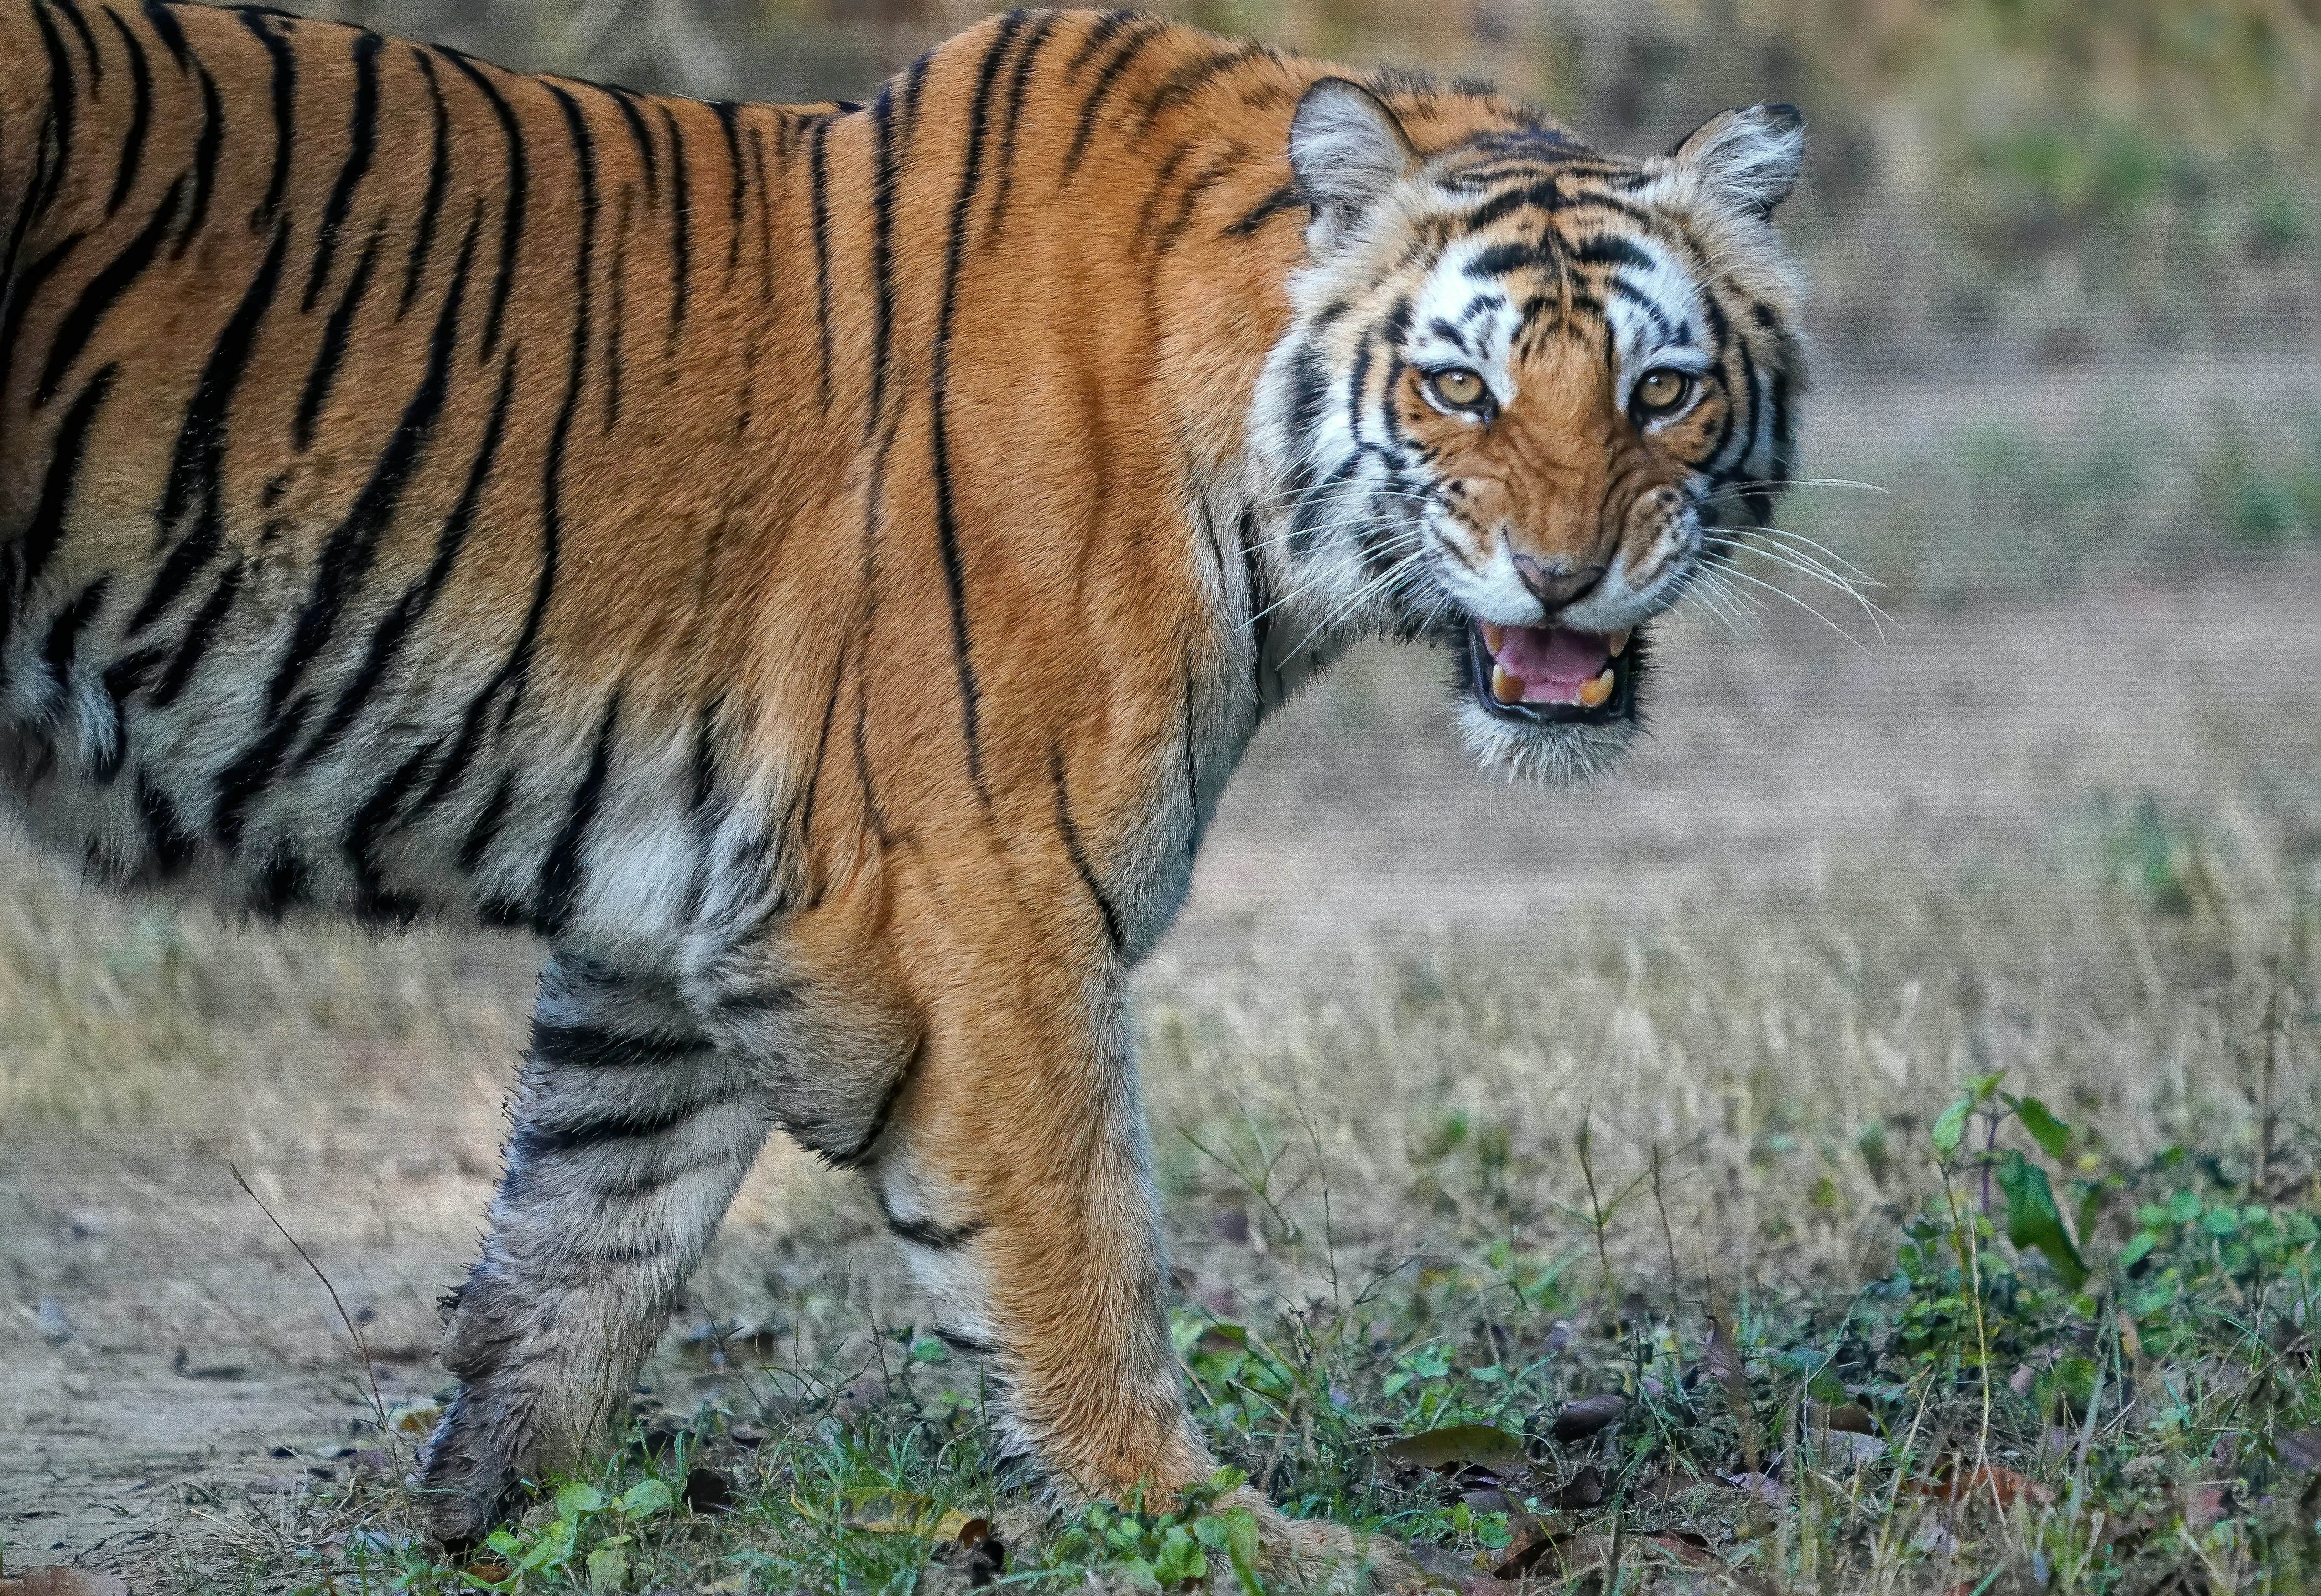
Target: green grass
2110, 1419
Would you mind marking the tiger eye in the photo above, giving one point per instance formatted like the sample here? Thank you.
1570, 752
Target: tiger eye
1458, 388
1662, 389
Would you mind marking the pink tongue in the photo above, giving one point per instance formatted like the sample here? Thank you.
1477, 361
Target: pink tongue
1553, 661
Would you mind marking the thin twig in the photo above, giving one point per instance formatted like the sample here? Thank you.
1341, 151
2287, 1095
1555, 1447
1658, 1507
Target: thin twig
362, 1350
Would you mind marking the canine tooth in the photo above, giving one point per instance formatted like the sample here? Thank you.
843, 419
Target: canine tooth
1506, 688
1493, 634
1619, 641
1594, 692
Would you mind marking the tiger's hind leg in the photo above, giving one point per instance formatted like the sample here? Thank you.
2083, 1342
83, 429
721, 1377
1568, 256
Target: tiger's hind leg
631, 1134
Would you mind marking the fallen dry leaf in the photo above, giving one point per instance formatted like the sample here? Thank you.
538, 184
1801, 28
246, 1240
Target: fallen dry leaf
2205, 1505
1584, 1417
2300, 1449
1447, 1570
1458, 1445
1987, 1481
1534, 1537
56, 1580
491, 1571
1853, 1418
1693, 1551
1583, 1490
705, 1490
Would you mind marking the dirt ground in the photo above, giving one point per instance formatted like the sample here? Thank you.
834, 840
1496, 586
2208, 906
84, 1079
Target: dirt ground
170, 1369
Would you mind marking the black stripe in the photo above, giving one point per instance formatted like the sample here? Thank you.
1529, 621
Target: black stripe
282, 886
20, 296
882, 254
439, 179
533, 1140
617, 321
285, 87
1189, 80
1106, 26
395, 628
101, 293
813, 785
514, 671
946, 513
64, 98
1106, 81
374, 902
1259, 589
1070, 833
639, 134
680, 228
765, 213
197, 462
512, 215
87, 40
704, 756
205, 160
46, 530
818, 180
124, 676
969, 1345
593, 1047
854, 1156
559, 889
362, 135
333, 350
926, 1233
241, 784
726, 113
1017, 82
346, 556
164, 22
199, 635
1280, 201
64, 631
486, 829
141, 114
167, 838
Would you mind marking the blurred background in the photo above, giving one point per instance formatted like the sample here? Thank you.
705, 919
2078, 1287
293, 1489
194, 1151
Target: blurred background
2037, 787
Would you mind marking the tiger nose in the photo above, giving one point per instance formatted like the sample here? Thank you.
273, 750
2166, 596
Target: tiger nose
1557, 586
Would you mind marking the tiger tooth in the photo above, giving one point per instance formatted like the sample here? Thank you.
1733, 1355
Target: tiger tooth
1506, 688
1619, 641
1593, 694
1493, 635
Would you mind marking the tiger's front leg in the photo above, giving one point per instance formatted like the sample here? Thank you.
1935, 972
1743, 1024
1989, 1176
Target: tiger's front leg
1016, 1174
631, 1134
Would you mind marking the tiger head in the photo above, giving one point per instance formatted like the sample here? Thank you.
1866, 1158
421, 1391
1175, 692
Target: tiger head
1528, 394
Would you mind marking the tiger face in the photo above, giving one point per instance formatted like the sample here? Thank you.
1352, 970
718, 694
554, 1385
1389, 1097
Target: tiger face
1528, 394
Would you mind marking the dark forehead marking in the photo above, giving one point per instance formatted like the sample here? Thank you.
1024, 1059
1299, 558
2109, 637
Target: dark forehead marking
1622, 288
1449, 333
1480, 304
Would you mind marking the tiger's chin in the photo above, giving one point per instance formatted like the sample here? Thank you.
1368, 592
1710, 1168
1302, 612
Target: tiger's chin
1564, 725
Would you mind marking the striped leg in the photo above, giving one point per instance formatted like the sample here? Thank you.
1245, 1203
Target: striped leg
630, 1135
1015, 1174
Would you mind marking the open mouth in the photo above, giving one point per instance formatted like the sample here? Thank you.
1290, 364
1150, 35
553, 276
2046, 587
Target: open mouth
1552, 675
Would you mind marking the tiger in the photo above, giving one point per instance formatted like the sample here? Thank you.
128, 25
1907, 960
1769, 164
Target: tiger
816, 567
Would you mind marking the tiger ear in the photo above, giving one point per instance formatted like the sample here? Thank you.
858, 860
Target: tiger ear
1346, 150
1750, 155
